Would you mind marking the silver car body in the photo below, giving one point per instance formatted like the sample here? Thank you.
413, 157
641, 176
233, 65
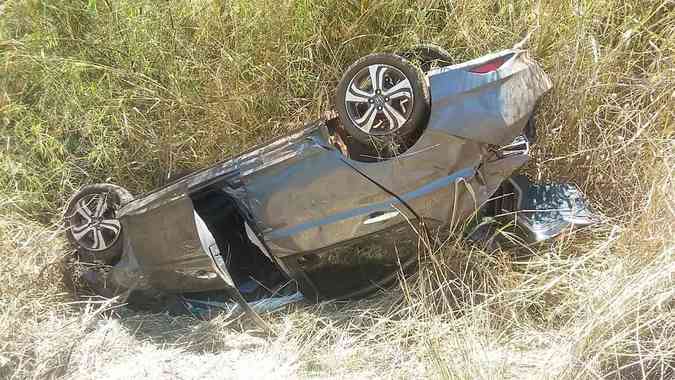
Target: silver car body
301, 197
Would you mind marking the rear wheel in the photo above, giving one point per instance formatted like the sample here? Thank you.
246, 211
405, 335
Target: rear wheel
91, 222
383, 101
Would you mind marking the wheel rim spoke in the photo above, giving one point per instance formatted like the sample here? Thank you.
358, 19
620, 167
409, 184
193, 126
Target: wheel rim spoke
78, 235
83, 213
83, 209
372, 70
366, 122
100, 206
401, 89
376, 73
111, 225
356, 95
80, 228
380, 77
395, 118
99, 241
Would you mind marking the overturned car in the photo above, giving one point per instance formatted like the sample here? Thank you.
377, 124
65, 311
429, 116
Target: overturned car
339, 207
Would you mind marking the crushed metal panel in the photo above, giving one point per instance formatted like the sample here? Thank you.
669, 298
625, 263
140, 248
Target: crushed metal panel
492, 108
163, 250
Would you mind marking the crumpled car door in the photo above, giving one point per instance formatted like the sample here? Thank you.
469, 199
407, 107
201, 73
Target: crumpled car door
210, 247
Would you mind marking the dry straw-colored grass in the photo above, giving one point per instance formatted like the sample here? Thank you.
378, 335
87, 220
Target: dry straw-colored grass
131, 91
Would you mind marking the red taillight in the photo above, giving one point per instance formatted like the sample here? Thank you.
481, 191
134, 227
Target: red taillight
490, 66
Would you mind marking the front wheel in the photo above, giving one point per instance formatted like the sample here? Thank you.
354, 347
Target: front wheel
91, 222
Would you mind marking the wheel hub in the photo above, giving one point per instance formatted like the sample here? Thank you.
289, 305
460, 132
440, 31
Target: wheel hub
379, 100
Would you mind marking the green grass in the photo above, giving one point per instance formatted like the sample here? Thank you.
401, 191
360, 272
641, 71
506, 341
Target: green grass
132, 91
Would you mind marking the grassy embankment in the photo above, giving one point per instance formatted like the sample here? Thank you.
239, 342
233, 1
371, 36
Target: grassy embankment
131, 91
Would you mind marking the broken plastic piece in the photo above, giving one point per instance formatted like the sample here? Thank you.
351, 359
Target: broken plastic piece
206, 306
546, 210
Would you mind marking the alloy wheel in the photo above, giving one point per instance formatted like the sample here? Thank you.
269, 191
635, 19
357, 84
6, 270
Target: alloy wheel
379, 99
93, 224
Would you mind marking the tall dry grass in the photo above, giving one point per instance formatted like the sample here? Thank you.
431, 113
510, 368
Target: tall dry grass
130, 92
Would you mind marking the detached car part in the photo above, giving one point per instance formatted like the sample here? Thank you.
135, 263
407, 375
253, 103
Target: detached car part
336, 209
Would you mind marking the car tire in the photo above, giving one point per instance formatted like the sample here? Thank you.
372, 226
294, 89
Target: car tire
91, 222
429, 56
383, 101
